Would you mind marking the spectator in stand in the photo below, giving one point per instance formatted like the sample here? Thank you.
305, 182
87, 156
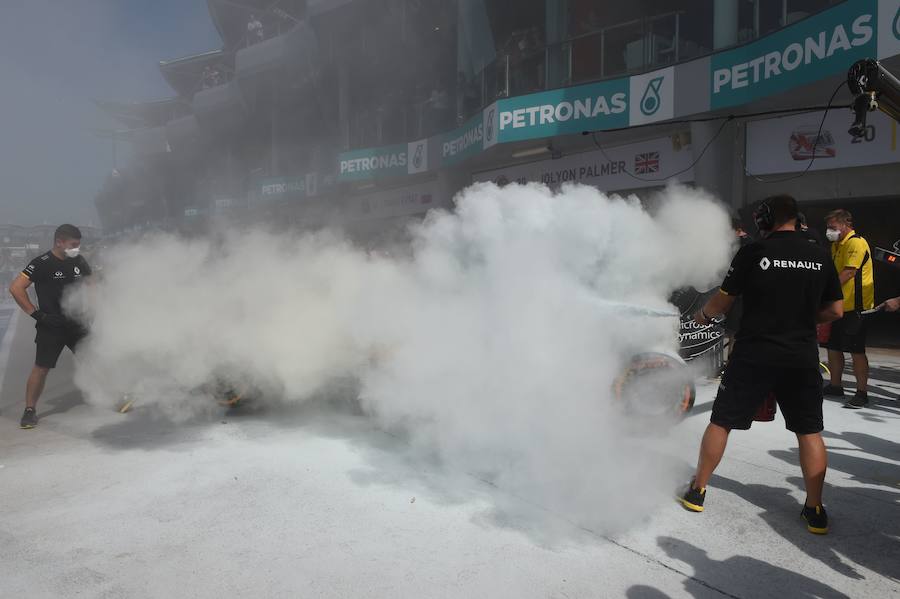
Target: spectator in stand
852, 259
537, 56
255, 31
439, 107
466, 97
206, 79
215, 76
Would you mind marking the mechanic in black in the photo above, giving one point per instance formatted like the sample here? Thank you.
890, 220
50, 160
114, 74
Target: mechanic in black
51, 273
788, 285
809, 233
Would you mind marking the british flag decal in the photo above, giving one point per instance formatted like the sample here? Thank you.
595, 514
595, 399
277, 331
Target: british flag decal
646, 162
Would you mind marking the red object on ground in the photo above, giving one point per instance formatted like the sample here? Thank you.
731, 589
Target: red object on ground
767, 411
823, 332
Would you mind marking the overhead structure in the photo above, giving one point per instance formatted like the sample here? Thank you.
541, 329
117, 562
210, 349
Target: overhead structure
875, 88
190, 74
136, 115
286, 61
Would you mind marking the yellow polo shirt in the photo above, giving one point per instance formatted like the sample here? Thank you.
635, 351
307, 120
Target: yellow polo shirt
850, 252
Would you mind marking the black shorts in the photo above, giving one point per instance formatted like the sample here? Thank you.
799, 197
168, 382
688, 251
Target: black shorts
50, 342
842, 340
745, 387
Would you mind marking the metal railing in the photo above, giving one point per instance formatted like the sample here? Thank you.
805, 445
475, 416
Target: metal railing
604, 52
601, 53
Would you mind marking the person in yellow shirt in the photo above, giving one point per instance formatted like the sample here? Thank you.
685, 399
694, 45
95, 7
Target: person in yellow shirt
853, 262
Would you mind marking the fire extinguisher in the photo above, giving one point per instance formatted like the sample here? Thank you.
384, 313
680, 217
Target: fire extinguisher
768, 409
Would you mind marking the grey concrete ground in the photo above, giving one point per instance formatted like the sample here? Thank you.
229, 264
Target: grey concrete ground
98, 504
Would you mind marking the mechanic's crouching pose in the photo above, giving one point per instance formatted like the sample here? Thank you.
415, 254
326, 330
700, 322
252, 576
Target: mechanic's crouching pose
788, 285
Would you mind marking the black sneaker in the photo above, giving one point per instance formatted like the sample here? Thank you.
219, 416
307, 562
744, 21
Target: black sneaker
833, 390
29, 419
692, 499
816, 519
860, 400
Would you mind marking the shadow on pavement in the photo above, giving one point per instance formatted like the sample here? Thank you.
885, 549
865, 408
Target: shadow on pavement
61, 404
858, 535
884, 373
765, 579
861, 469
642, 591
885, 395
867, 443
145, 429
782, 513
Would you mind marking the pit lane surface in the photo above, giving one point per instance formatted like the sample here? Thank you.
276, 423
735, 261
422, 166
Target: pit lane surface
98, 504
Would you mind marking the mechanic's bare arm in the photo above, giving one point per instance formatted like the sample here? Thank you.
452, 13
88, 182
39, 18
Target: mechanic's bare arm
846, 274
830, 312
19, 290
718, 305
893, 304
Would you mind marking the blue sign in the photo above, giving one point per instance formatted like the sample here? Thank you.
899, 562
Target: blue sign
373, 163
564, 111
282, 187
815, 48
461, 143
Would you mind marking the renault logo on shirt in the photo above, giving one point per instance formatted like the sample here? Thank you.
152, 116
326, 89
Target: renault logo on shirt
804, 264
765, 263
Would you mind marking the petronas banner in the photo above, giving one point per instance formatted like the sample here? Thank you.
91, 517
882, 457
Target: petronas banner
820, 46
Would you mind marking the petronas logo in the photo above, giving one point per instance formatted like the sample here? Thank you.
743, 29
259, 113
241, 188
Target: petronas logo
651, 101
896, 26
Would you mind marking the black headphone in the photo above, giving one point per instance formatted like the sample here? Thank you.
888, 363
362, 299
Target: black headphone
764, 216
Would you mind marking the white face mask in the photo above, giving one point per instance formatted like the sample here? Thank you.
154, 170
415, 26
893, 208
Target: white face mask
72, 252
832, 234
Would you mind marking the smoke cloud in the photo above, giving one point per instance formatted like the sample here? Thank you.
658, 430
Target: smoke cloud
491, 341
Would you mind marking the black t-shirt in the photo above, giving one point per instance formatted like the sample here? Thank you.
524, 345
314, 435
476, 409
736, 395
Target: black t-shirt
51, 275
784, 280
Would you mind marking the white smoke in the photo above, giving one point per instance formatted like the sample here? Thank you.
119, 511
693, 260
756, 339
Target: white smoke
492, 342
